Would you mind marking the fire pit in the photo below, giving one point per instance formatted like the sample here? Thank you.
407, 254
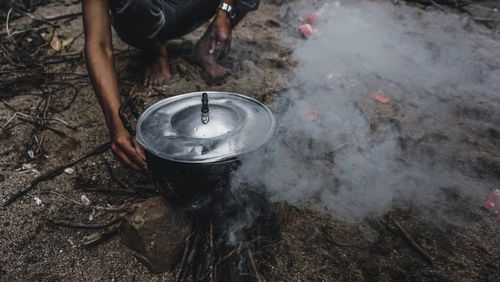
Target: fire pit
193, 141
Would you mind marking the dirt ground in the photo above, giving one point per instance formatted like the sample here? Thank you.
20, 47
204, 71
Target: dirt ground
312, 246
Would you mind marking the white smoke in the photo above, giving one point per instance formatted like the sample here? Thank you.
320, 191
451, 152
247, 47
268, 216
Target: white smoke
337, 149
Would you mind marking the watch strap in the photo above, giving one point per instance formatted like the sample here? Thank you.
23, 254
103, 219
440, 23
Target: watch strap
229, 9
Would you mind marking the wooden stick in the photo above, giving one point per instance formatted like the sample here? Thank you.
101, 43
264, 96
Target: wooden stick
63, 16
55, 172
19, 113
37, 19
245, 245
105, 208
7, 27
99, 237
178, 276
44, 126
412, 242
212, 266
84, 226
258, 277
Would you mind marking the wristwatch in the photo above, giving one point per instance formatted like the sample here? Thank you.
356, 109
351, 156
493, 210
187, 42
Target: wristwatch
228, 9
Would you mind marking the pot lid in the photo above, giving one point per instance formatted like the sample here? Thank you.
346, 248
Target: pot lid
205, 127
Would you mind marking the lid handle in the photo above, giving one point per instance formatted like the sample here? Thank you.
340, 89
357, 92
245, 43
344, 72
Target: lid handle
205, 118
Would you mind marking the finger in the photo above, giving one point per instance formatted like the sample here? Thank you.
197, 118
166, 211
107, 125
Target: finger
213, 46
138, 148
125, 161
227, 46
219, 49
132, 154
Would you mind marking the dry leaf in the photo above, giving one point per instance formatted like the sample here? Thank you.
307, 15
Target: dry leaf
58, 42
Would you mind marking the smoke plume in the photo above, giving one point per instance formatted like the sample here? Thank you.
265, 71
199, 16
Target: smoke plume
338, 149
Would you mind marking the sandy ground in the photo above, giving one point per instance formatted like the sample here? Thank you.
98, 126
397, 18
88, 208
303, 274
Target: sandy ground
312, 246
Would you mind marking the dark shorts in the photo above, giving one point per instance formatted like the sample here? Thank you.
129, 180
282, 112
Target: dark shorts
137, 21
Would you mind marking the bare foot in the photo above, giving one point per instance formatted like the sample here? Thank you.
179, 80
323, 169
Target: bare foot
158, 72
205, 53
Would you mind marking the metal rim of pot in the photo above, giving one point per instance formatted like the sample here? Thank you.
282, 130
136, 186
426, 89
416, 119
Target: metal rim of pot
225, 158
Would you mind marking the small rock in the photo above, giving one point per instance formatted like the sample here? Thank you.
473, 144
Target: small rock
155, 232
38, 201
85, 200
69, 170
27, 166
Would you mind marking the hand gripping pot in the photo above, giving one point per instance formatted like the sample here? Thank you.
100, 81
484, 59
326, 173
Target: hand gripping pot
194, 141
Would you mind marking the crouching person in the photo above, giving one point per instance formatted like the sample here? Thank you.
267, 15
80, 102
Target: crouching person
147, 25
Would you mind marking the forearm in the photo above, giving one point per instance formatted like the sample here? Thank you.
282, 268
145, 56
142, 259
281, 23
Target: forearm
103, 76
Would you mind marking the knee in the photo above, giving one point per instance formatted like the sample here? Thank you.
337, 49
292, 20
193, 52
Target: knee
137, 19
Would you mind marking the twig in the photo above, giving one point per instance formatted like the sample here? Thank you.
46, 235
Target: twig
258, 277
113, 191
7, 27
24, 31
119, 208
45, 126
56, 171
9, 120
99, 237
179, 275
213, 273
63, 16
228, 256
84, 226
49, 119
37, 19
412, 242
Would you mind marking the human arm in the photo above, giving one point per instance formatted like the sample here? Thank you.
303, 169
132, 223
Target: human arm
221, 30
99, 58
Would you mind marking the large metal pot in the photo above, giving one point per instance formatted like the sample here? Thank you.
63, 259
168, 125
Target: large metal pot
194, 141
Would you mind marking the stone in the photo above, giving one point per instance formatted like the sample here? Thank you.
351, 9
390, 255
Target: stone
155, 232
